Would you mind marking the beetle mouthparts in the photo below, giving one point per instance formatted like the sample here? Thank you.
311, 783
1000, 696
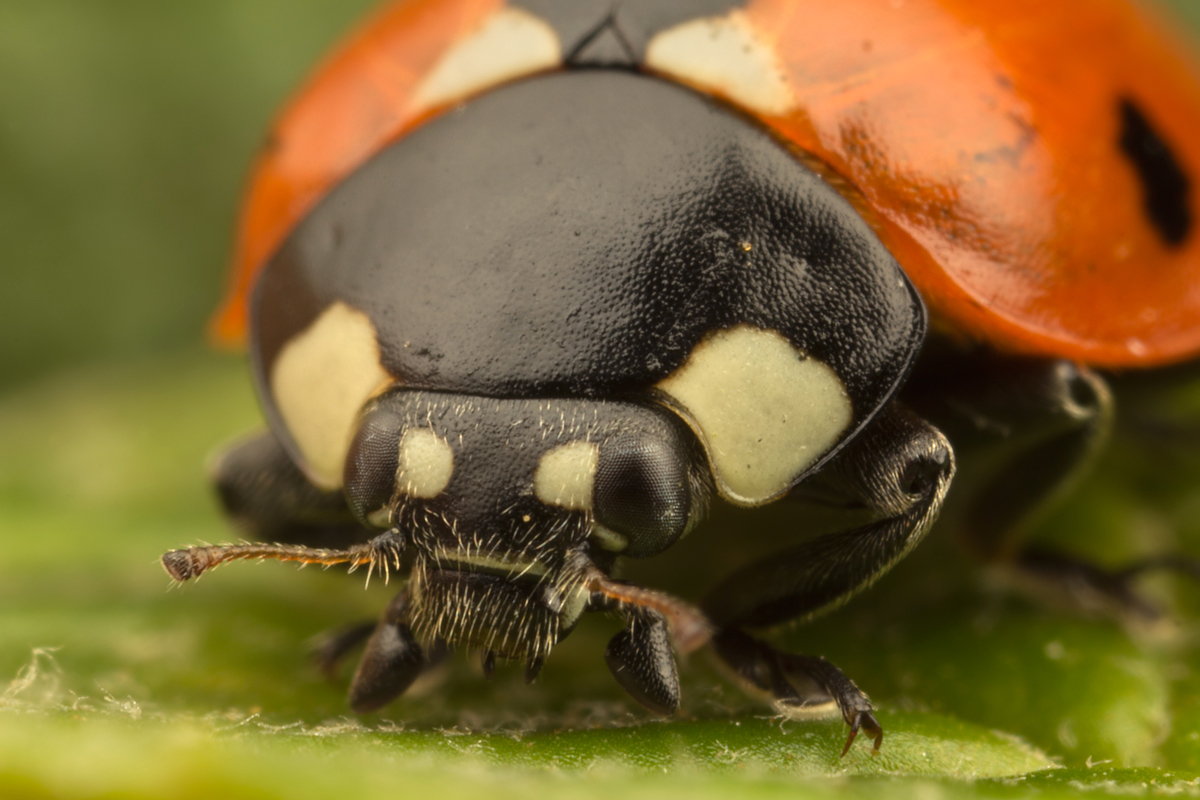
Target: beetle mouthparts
484, 611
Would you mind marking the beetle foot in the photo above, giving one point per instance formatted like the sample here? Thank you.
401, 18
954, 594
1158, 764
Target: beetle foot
1097, 591
392, 661
864, 720
798, 685
641, 660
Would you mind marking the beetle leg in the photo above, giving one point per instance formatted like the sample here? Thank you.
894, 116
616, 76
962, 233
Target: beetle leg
641, 655
641, 660
900, 468
266, 495
1026, 430
391, 662
332, 646
798, 684
1091, 588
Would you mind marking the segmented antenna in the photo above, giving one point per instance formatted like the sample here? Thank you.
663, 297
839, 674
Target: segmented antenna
383, 552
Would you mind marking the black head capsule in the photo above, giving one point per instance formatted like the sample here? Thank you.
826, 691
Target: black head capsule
508, 505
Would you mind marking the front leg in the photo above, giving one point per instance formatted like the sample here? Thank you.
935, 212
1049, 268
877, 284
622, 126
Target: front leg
641, 660
797, 684
393, 659
900, 468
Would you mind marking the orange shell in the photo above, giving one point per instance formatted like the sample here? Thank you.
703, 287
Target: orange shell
981, 134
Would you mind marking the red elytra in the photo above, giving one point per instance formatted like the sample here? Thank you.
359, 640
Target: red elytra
980, 138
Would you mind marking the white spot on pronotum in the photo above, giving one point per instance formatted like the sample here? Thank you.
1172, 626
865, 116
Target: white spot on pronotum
724, 55
320, 381
509, 44
763, 410
565, 476
426, 463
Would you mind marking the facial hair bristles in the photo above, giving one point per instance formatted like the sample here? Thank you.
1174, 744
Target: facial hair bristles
501, 617
383, 551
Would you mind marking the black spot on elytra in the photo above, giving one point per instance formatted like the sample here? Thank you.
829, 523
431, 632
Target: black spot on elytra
1166, 186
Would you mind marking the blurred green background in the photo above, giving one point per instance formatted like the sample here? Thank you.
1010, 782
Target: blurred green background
126, 127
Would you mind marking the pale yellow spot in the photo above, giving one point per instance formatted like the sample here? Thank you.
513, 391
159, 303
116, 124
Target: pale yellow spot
511, 43
725, 56
609, 539
763, 410
426, 463
320, 381
565, 476
499, 564
572, 606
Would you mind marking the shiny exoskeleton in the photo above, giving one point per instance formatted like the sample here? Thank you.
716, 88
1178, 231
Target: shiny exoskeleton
563, 302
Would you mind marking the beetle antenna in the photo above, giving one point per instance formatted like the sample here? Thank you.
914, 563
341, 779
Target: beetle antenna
384, 550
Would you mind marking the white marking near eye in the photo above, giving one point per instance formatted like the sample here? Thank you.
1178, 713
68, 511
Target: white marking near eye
573, 603
380, 518
725, 56
320, 381
608, 539
763, 410
565, 476
426, 463
509, 44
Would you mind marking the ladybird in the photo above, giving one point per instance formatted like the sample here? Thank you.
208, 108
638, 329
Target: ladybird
529, 285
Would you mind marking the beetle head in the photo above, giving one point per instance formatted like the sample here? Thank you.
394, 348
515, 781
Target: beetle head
508, 504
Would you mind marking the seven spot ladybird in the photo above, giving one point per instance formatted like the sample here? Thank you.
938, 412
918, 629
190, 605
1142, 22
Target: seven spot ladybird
528, 284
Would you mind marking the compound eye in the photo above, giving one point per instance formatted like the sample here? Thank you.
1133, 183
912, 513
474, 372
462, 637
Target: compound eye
642, 492
370, 473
